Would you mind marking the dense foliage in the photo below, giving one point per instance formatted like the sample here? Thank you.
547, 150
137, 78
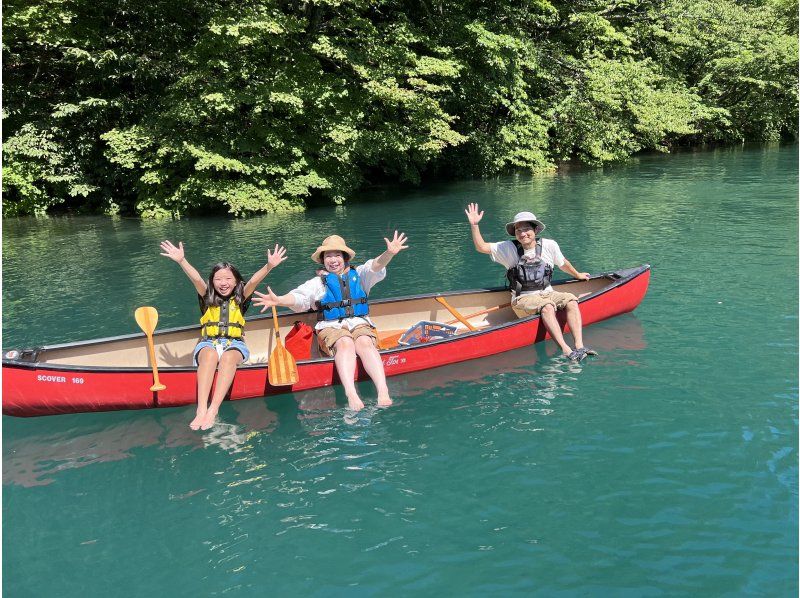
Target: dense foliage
170, 108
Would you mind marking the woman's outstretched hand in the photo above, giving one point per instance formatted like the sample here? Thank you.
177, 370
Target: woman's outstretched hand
397, 244
277, 257
473, 214
174, 253
265, 300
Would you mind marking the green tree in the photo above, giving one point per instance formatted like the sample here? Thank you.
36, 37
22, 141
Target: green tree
166, 109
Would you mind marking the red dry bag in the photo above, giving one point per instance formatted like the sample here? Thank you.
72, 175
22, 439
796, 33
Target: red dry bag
298, 341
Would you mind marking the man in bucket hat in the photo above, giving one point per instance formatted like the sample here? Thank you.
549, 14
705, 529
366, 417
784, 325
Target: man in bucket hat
340, 294
529, 267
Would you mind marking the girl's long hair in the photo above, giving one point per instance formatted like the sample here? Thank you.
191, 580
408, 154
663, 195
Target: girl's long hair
214, 298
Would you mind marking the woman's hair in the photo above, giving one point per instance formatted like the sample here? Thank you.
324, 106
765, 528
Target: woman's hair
214, 298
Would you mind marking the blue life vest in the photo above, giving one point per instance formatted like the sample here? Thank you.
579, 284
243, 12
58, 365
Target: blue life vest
344, 297
530, 273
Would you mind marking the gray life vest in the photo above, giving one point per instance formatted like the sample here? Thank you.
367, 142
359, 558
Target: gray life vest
530, 273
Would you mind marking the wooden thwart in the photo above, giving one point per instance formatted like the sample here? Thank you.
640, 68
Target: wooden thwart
282, 368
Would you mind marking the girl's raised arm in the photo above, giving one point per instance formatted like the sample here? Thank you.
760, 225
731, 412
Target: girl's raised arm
176, 255
274, 259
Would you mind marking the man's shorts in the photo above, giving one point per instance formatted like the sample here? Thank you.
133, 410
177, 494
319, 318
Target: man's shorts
528, 305
327, 337
220, 345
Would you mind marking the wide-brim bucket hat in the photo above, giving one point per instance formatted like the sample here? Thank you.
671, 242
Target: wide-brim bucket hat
332, 243
538, 225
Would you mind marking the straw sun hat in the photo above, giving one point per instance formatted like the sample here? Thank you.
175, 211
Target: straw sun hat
538, 225
332, 243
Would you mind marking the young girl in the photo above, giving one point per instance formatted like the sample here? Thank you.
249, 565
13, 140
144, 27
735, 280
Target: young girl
224, 299
340, 293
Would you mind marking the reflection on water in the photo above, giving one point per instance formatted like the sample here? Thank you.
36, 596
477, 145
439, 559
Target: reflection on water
536, 371
621, 334
34, 460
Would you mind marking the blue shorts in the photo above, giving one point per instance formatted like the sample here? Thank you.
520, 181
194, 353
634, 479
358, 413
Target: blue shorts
220, 345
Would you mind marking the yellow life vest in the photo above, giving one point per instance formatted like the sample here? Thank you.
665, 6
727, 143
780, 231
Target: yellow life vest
225, 320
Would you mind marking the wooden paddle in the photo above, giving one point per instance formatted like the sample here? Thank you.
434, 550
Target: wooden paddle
480, 313
282, 369
455, 313
147, 318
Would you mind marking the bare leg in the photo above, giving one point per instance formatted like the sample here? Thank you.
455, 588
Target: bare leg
551, 323
207, 365
575, 323
227, 370
345, 360
372, 362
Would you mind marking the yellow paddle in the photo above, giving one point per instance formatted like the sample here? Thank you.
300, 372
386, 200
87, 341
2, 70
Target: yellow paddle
454, 313
282, 368
147, 318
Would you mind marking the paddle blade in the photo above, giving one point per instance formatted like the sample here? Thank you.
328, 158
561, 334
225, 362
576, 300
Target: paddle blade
390, 340
282, 368
147, 319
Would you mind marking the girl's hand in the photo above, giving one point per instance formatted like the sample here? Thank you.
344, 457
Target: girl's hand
583, 276
473, 215
265, 301
277, 257
397, 244
172, 252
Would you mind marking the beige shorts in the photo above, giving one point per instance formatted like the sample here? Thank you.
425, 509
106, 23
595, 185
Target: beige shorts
528, 305
327, 337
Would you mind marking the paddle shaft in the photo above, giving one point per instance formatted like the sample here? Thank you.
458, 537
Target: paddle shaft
455, 313
480, 313
275, 323
151, 348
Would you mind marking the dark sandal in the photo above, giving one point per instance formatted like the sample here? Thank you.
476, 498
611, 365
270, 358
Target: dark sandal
577, 356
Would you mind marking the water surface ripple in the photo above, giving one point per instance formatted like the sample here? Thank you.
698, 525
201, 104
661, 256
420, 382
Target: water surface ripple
665, 467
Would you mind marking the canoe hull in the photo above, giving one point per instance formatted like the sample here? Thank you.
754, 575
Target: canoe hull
32, 389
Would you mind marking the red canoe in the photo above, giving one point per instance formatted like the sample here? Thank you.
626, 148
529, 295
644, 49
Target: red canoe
114, 373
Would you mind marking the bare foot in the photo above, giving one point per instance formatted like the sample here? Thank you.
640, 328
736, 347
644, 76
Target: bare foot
355, 403
197, 421
209, 420
384, 401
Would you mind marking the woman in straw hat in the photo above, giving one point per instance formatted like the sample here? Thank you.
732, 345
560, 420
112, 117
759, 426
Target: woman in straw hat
340, 294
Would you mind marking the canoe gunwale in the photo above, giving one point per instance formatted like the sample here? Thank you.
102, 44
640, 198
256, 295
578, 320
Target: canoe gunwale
618, 278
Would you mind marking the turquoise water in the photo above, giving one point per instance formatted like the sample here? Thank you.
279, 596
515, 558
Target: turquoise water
667, 466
